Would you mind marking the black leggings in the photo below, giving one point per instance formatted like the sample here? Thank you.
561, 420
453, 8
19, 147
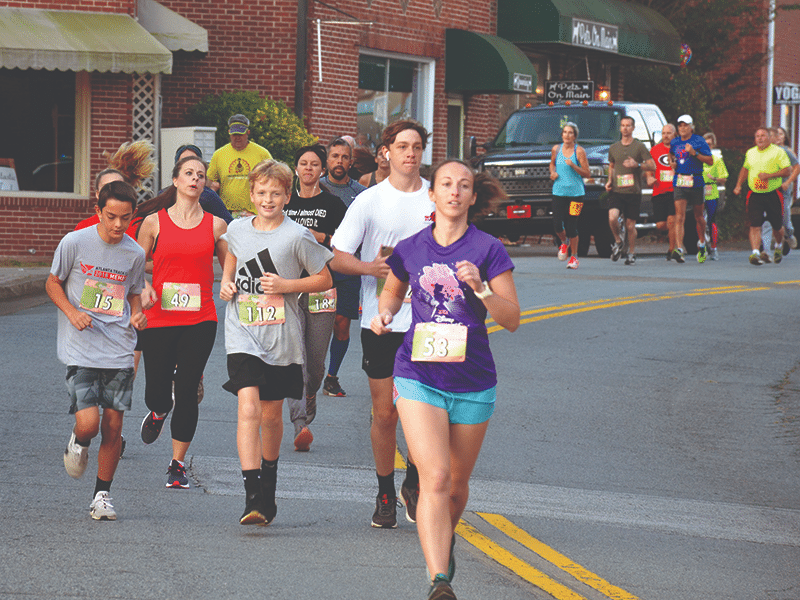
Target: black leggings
179, 354
565, 215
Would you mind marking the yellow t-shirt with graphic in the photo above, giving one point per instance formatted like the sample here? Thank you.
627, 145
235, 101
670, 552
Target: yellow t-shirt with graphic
769, 160
231, 168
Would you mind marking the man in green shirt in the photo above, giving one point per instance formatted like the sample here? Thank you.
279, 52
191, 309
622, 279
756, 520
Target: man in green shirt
764, 166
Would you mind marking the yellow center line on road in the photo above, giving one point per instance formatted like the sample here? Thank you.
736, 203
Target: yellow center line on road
518, 566
556, 558
581, 307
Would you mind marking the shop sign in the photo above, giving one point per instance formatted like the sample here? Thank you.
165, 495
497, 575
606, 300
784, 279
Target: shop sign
523, 83
599, 36
786, 93
575, 91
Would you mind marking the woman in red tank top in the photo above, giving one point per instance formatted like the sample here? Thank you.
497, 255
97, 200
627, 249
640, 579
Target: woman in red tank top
182, 240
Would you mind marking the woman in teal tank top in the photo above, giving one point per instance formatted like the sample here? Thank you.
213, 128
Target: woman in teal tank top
568, 167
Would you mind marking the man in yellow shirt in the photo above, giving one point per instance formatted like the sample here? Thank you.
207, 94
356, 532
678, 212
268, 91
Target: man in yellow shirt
764, 166
231, 164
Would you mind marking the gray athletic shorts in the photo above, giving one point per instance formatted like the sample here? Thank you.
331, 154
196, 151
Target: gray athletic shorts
106, 388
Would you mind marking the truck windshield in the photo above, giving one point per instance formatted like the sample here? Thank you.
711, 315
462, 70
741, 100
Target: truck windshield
543, 127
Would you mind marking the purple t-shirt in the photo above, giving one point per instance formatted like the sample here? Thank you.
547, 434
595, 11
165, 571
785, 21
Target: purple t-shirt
437, 296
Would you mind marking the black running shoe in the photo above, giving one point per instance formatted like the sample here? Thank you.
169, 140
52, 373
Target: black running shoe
451, 568
176, 476
410, 497
151, 427
385, 515
331, 387
441, 589
252, 511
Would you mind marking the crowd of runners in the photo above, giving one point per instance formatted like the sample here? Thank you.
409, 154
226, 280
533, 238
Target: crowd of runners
311, 253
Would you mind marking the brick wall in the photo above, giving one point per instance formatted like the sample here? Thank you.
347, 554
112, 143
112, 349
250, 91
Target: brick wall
18, 235
251, 47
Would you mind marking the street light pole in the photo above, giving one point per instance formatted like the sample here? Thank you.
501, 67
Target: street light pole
770, 60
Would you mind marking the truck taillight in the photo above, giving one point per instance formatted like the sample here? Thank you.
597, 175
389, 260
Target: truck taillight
518, 211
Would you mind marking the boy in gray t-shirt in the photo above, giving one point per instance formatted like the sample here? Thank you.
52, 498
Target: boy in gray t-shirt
267, 257
95, 281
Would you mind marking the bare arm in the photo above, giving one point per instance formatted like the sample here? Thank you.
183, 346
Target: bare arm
553, 154
55, 289
503, 305
227, 288
389, 304
347, 264
221, 249
742, 178
275, 284
609, 185
138, 318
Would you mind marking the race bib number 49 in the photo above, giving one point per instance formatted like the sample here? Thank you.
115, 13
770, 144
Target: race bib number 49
180, 296
104, 298
263, 309
439, 342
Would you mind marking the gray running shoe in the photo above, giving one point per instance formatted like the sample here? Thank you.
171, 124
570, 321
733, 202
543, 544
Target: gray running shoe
151, 427
331, 387
303, 439
311, 409
176, 476
441, 589
616, 251
755, 259
76, 457
631, 260
409, 497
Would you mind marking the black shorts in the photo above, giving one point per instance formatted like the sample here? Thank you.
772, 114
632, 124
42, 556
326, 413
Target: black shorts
769, 203
273, 382
348, 292
663, 207
693, 196
628, 204
379, 352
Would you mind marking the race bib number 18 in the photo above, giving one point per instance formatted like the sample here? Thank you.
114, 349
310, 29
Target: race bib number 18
263, 309
180, 296
102, 297
439, 342
322, 302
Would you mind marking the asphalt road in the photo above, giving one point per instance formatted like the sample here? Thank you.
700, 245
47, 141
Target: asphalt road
646, 444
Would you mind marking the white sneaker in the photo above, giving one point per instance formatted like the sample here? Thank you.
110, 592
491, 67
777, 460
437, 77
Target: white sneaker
792, 242
563, 250
75, 458
101, 508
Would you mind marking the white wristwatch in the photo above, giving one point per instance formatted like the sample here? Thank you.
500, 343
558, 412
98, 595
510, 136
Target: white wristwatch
487, 291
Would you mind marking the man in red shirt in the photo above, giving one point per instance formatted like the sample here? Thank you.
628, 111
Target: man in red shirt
661, 182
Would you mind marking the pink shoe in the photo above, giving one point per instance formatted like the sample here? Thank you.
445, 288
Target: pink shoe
573, 263
562, 252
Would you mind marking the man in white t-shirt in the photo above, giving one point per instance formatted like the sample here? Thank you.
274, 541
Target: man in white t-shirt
378, 218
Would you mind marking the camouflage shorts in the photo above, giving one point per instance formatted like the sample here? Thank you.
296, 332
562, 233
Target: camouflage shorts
106, 388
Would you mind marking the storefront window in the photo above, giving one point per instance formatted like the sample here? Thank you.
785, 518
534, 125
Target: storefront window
390, 89
37, 118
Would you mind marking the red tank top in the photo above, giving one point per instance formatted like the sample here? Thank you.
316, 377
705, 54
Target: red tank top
664, 174
183, 273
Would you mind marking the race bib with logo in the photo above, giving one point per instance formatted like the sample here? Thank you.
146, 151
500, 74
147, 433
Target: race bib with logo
625, 180
666, 176
708, 190
761, 185
180, 296
439, 342
575, 209
104, 298
685, 181
261, 309
322, 302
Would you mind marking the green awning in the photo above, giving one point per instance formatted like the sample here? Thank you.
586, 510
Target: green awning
78, 41
477, 62
641, 32
171, 29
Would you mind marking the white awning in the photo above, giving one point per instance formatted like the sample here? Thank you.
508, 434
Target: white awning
78, 41
171, 29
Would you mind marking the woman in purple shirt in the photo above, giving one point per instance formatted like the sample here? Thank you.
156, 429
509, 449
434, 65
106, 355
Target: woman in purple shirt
444, 372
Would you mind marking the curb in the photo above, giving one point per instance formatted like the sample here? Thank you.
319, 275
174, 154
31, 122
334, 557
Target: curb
24, 285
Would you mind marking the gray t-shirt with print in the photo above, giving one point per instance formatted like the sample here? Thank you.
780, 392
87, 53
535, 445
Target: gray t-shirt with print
288, 250
97, 278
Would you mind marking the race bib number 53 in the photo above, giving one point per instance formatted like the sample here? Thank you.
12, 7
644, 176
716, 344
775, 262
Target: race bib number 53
439, 342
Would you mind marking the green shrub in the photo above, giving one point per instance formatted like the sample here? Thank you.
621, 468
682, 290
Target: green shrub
272, 124
732, 220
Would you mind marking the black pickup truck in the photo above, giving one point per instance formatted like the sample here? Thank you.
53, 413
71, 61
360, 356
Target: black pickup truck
520, 157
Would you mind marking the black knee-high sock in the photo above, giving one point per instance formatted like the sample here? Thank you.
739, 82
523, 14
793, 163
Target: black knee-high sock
412, 475
269, 478
386, 485
252, 481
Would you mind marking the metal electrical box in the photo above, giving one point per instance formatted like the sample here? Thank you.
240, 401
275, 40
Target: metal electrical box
174, 137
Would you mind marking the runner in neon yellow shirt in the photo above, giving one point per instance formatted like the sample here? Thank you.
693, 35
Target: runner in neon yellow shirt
713, 175
764, 166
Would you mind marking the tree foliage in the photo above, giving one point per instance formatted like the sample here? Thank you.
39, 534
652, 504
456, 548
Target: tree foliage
272, 124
